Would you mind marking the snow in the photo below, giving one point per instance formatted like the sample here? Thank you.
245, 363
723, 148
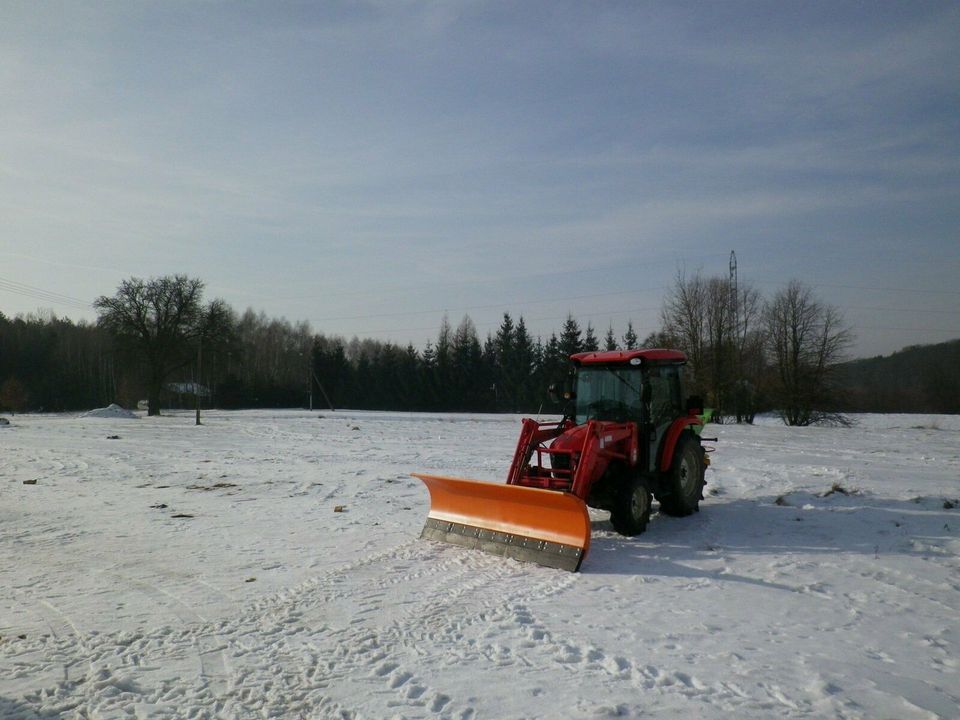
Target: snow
111, 411
163, 569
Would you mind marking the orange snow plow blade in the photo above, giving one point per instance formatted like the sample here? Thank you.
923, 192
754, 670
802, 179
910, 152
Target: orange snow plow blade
542, 526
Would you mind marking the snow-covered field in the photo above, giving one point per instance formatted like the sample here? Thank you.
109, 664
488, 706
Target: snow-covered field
153, 568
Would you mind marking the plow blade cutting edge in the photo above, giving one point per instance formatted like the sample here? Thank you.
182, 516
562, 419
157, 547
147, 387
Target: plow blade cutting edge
542, 526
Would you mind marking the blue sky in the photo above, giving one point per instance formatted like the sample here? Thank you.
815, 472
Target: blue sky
371, 166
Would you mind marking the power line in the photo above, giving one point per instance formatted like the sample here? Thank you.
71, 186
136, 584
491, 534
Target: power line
506, 304
393, 331
881, 289
492, 323
484, 281
17, 288
907, 329
913, 310
599, 313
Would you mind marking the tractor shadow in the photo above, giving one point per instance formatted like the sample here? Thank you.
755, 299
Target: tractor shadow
17, 710
796, 524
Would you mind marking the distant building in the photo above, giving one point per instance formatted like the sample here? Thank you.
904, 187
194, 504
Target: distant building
188, 389
183, 395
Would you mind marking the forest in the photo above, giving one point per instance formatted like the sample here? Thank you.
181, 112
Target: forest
748, 354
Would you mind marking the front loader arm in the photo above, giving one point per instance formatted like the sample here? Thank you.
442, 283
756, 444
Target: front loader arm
532, 435
603, 442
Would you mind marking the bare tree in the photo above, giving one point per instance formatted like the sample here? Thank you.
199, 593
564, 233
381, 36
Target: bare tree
720, 333
162, 320
697, 315
805, 339
748, 354
683, 317
718, 352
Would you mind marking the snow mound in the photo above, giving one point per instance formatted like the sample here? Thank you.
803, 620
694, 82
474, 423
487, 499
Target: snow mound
111, 411
4, 422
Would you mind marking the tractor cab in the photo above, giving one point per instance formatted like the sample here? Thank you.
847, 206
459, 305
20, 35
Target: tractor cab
641, 386
636, 386
611, 393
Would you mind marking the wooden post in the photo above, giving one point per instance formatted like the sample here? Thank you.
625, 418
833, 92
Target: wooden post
196, 385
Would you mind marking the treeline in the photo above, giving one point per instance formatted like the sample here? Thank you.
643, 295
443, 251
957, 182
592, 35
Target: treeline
508, 371
920, 378
748, 354
53, 364
49, 363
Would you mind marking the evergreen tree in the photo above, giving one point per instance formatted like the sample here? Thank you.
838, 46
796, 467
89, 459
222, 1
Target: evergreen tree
505, 372
491, 373
630, 337
525, 361
504, 341
469, 389
610, 341
443, 368
555, 365
410, 385
538, 375
570, 341
364, 397
428, 378
590, 342
333, 372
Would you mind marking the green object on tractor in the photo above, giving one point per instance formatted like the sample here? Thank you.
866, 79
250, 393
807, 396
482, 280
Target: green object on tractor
705, 417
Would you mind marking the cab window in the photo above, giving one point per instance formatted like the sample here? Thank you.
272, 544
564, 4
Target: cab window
606, 393
664, 394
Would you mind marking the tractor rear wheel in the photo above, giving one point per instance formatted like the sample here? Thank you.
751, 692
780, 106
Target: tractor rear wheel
682, 485
631, 513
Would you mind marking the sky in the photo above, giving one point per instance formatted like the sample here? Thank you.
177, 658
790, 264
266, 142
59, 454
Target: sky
371, 167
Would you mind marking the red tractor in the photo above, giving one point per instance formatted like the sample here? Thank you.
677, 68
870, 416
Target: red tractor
629, 435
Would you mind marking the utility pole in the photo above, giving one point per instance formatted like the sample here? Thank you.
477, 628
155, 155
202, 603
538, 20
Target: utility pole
734, 294
310, 385
196, 385
737, 344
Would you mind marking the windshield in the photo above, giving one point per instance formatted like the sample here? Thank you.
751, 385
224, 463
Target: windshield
608, 393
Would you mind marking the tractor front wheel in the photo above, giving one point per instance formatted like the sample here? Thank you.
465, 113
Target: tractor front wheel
682, 485
632, 511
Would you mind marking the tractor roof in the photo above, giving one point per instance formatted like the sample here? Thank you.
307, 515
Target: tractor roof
623, 357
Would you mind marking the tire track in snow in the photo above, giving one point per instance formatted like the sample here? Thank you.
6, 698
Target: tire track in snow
64, 635
442, 619
439, 619
62, 630
209, 646
507, 631
362, 629
366, 640
532, 643
905, 583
